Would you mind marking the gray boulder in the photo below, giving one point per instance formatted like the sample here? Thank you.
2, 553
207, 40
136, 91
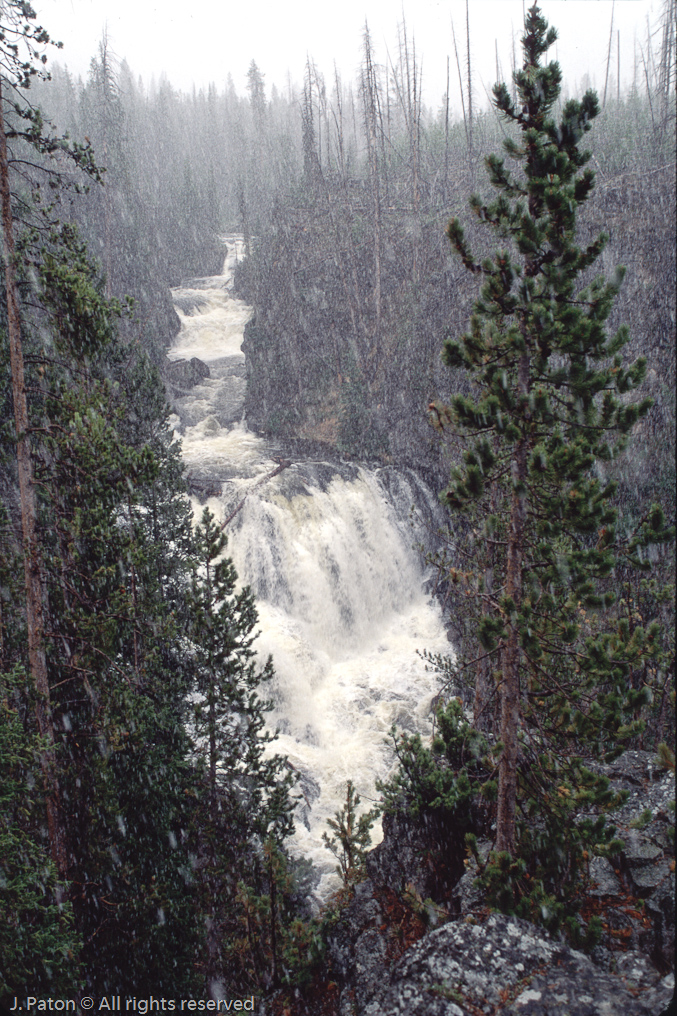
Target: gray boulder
387, 961
500, 966
184, 374
412, 855
506, 967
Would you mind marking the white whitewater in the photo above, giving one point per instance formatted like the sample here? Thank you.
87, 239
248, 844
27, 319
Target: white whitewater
328, 550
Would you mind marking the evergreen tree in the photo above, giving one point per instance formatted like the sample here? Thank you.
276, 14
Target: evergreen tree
21, 57
350, 839
114, 537
551, 403
106, 552
246, 802
115, 575
39, 946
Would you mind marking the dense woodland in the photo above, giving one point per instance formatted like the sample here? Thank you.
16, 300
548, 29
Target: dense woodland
143, 819
343, 192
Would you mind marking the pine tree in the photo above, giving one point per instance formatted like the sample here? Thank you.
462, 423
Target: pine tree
350, 838
38, 944
115, 576
22, 43
246, 803
113, 537
551, 403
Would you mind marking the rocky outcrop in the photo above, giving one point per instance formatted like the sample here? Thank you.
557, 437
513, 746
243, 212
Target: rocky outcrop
419, 856
183, 374
358, 948
645, 868
419, 940
499, 967
506, 966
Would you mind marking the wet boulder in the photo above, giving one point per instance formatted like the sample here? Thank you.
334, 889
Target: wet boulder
425, 855
412, 855
185, 373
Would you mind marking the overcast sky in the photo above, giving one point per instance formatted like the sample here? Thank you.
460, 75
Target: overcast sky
195, 43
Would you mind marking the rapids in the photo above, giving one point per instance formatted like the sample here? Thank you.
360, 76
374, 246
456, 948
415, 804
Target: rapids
329, 549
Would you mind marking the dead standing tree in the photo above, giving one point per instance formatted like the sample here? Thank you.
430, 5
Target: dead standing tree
371, 113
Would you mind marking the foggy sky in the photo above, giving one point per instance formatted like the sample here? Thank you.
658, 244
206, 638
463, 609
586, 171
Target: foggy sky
195, 44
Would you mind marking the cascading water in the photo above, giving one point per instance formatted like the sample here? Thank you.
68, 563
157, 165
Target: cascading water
328, 549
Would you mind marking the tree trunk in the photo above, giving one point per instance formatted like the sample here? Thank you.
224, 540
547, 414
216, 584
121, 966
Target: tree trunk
446, 138
470, 139
37, 661
510, 693
273, 918
484, 710
371, 132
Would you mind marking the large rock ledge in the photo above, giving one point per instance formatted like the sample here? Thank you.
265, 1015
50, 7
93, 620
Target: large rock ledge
506, 966
385, 960
500, 967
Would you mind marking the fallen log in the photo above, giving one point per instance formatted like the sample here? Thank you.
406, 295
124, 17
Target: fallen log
283, 464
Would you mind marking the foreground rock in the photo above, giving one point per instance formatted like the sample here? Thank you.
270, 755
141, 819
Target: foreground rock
387, 961
506, 966
499, 967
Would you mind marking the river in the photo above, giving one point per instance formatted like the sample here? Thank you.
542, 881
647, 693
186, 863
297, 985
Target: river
329, 549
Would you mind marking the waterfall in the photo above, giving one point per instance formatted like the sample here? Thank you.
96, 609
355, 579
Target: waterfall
329, 550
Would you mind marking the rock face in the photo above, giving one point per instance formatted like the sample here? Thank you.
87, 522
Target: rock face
505, 966
646, 865
185, 373
388, 962
408, 856
502, 967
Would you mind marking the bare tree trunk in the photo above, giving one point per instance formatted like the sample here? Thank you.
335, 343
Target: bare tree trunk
273, 916
513, 68
648, 90
106, 82
37, 661
338, 122
484, 711
446, 137
370, 87
212, 750
608, 58
667, 64
283, 464
470, 144
460, 81
244, 214
415, 158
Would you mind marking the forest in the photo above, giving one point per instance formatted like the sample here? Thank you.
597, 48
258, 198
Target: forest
432, 294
